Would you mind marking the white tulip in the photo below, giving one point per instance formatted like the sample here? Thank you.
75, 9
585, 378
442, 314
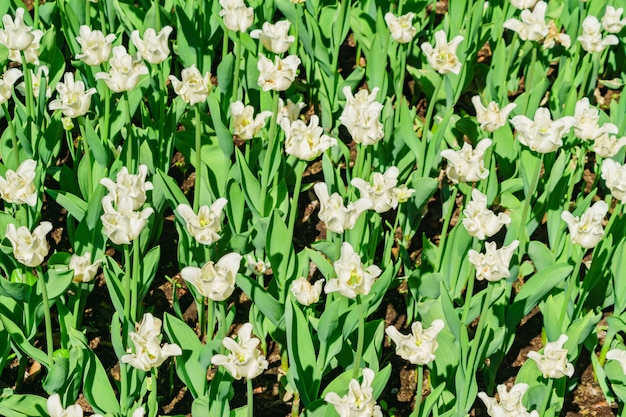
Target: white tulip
7, 82
553, 363
555, 36
42, 72
359, 401
16, 35
617, 355
337, 217
29, 249
382, 190
533, 25
493, 265
606, 144
123, 225
207, 224
237, 17
612, 21
148, 350
614, 176
542, 135
418, 347
73, 100
467, 164
55, 408
95, 47
124, 72
442, 58
277, 75
305, 293
274, 37
256, 266
290, 111
306, 142
587, 120
129, 186
245, 124
18, 187
587, 231
591, 39
214, 280
153, 47
509, 403
401, 27
84, 269
244, 359
193, 88
479, 221
352, 277
491, 118
361, 116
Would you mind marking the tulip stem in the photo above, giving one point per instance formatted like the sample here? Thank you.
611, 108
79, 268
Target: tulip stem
403, 51
107, 117
221, 318
418, 391
30, 106
124, 386
267, 160
135, 279
77, 305
152, 397
129, 137
293, 210
202, 317
446, 225
478, 336
16, 150
361, 338
198, 184
126, 285
250, 391
210, 320
571, 284
81, 124
527, 200
46, 312
546, 399
238, 60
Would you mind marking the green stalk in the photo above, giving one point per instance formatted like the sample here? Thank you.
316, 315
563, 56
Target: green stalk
36, 18
221, 319
46, 312
267, 160
546, 400
136, 277
30, 105
418, 391
16, 149
107, 117
527, 201
198, 184
81, 125
295, 405
361, 338
127, 293
77, 305
427, 121
202, 318
293, 210
88, 14
124, 386
479, 331
129, 137
446, 225
210, 321
571, 284
153, 405
70, 144
250, 392
237, 68
165, 153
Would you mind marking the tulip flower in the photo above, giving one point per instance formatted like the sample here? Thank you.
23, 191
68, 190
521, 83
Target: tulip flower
361, 116
245, 125
305, 293
614, 175
55, 408
244, 359
533, 25
587, 231
359, 401
479, 221
95, 47
467, 164
618, 355
237, 17
306, 142
509, 403
153, 47
42, 72
205, 226
553, 363
606, 144
18, 187
290, 110
542, 135
193, 88
29, 249
256, 266
7, 82
352, 277
587, 120
418, 347
123, 225
129, 186
214, 280
491, 118
147, 341
382, 190
274, 37
84, 269
493, 265
401, 28
442, 58
337, 217
73, 100
591, 39
612, 20
124, 72
277, 75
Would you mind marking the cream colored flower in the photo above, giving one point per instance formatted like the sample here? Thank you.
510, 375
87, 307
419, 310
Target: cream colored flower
382, 190
617, 355
612, 21
95, 47
124, 72
359, 401
206, 226
194, 88
277, 75
555, 36
493, 265
542, 135
467, 164
553, 363
29, 249
153, 47
148, 350
84, 269
352, 277
305, 293
491, 118
306, 142
244, 359
123, 225
418, 347
73, 100
479, 221
18, 187
214, 280
591, 39
361, 116
274, 37
509, 403
256, 266
614, 175
337, 217
36, 77
443, 56
16, 35
401, 28
587, 120
245, 125
55, 408
290, 111
533, 25
237, 17
606, 144
130, 186
587, 231
7, 82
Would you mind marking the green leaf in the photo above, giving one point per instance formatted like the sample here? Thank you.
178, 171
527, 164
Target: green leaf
75, 205
268, 305
97, 389
28, 405
301, 351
